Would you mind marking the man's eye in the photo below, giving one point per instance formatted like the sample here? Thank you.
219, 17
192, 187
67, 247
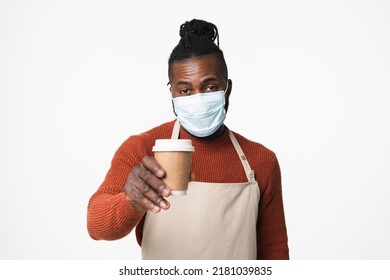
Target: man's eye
185, 91
211, 88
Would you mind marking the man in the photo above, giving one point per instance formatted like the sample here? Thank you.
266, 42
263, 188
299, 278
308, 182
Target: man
233, 208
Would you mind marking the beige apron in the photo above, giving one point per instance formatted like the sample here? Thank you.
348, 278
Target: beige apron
213, 221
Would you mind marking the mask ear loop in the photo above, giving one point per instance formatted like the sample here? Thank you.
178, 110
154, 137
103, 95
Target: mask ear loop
227, 86
173, 107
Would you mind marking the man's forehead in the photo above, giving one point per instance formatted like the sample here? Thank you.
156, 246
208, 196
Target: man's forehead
206, 67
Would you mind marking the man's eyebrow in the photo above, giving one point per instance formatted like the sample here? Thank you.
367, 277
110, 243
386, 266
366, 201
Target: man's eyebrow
202, 83
183, 83
208, 80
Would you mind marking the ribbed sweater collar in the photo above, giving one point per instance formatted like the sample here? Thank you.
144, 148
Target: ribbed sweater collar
214, 143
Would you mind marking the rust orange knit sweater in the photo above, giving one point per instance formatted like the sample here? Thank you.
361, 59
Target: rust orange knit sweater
111, 217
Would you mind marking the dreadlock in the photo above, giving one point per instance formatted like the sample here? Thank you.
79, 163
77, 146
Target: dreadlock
197, 39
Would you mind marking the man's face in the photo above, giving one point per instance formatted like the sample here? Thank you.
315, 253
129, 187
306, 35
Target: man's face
198, 75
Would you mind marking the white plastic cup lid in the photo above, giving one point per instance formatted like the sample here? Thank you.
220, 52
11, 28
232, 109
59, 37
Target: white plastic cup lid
173, 145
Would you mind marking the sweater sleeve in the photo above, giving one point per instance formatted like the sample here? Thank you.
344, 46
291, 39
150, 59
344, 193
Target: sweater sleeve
271, 226
110, 216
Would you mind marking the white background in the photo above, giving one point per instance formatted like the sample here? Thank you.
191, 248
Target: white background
311, 82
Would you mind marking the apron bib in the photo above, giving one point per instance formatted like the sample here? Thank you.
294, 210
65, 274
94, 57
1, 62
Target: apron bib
213, 221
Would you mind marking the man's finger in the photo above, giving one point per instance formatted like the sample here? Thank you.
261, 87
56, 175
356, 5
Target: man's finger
152, 181
150, 163
139, 191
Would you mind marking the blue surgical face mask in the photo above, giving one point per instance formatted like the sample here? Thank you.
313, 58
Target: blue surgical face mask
201, 114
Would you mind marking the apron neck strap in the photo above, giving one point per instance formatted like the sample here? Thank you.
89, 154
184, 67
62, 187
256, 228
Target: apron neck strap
176, 130
250, 174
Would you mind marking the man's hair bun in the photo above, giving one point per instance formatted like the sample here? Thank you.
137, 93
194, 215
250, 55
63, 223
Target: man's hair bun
203, 29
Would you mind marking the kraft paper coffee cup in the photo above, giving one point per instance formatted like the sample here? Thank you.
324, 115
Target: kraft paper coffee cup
175, 156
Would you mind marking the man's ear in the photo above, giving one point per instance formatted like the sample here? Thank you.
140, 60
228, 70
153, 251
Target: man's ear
170, 87
227, 94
